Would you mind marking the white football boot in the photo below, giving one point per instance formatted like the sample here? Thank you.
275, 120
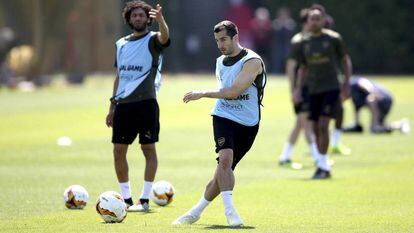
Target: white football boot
144, 207
233, 219
186, 219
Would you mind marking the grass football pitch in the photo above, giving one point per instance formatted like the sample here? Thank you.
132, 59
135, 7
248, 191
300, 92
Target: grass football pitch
372, 190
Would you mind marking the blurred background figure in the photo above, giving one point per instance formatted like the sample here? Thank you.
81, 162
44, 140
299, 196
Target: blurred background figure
366, 93
261, 29
284, 27
241, 14
7, 42
301, 108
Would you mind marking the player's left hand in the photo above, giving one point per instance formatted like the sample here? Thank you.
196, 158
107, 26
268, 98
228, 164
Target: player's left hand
156, 14
192, 95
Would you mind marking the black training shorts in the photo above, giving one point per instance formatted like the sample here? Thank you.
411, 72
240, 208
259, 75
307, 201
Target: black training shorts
131, 119
324, 104
231, 135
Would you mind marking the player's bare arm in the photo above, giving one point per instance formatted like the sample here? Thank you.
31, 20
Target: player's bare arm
297, 96
290, 72
110, 116
347, 69
246, 77
164, 33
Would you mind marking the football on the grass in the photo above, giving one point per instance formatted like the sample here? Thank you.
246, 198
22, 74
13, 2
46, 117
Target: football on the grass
162, 193
111, 207
75, 197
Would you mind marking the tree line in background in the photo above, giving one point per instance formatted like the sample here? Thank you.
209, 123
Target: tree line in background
78, 36
379, 34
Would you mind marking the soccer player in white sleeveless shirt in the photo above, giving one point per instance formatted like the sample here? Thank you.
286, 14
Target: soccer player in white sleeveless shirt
134, 109
240, 73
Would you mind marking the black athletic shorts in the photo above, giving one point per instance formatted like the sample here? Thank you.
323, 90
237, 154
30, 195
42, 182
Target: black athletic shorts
131, 119
231, 135
303, 105
324, 104
384, 106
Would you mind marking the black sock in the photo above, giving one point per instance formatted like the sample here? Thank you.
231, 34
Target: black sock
143, 200
129, 201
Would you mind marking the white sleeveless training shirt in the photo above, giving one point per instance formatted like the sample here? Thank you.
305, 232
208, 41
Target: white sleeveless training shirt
134, 63
245, 109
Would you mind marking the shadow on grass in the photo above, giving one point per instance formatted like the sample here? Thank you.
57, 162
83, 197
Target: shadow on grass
220, 227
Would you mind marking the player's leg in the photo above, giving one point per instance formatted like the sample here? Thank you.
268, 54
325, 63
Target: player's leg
310, 136
212, 189
322, 110
323, 134
314, 113
149, 128
306, 124
120, 162
336, 146
323, 170
122, 170
193, 215
384, 106
223, 139
225, 181
224, 173
285, 156
124, 132
151, 164
151, 161
337, 131
243, 141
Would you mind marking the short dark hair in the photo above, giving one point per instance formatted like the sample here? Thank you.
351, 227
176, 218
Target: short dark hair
318, 7
132, 5
231, 28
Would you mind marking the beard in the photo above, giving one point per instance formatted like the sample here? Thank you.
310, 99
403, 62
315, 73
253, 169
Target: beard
315, 29
140, 28
228, 51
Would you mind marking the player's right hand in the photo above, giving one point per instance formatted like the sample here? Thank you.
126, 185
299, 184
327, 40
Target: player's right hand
110, 119
156, 13
192, 95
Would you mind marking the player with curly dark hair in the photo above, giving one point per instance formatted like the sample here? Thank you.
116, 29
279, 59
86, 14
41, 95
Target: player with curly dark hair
134, 109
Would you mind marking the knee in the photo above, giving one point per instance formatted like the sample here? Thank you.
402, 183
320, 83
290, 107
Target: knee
147, 147
148, 150
226, 159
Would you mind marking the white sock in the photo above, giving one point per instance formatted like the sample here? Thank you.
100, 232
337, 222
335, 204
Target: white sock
125, 190
227, 201
323, 162
336, 135
314, 151
199, 208
287, 152
146, 189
